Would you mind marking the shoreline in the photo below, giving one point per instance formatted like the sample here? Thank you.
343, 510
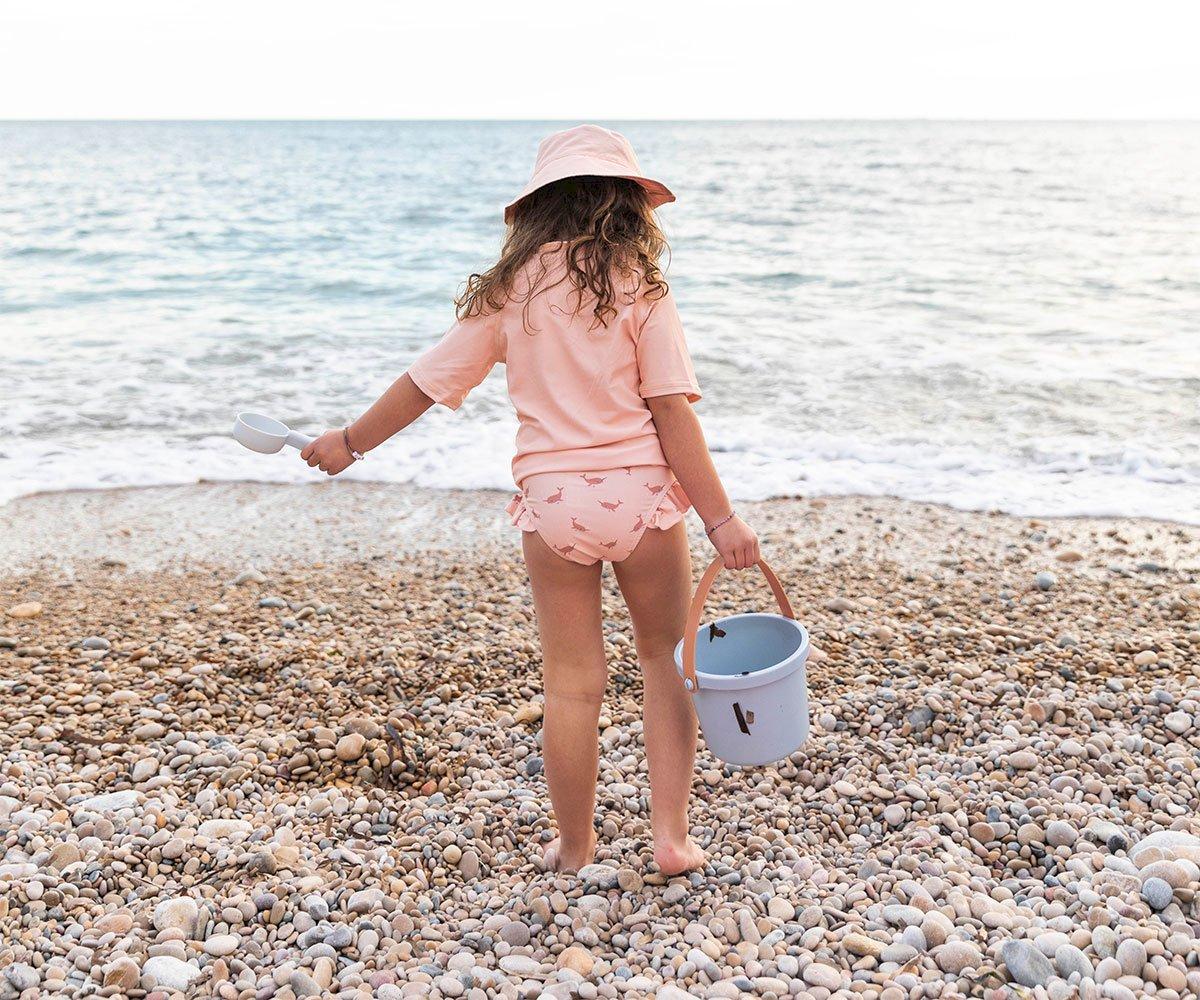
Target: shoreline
286, 741
231, 524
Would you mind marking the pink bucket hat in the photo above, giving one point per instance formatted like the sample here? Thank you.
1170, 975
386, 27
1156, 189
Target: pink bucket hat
591, 151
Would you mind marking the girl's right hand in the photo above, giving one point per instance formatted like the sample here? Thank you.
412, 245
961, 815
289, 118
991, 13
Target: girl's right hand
736, 543
329, 453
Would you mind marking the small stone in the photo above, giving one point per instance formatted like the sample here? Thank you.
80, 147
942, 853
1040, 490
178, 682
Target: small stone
29, 609
984, 833
95, 642
920, 718
629, 880
515, 933
838, 605
449, 986
365, 900
171, 973
122, 973
1022, 760
898, 952
116, 922
861, 945
1048, 942
577, 959
1026, 965
350, 747
780, 908
1060, 833
1070, 959
1069, 556
520, 965
1178, 722
221, 945
303, 985
1146, 658
63, 855
468, 865
1157, 893
903, 916
112, 802
21, 976
248, 576
894, 814
1131, 954
179, 913
954, 956
936, 927
1045, 580
340, 937
1104, 941
819, 974
220, 829
1177, 874
599, 876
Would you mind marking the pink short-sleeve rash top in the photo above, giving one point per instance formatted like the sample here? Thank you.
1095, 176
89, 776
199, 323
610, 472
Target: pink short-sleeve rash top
579, 389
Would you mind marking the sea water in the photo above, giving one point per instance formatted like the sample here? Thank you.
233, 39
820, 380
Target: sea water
993, 316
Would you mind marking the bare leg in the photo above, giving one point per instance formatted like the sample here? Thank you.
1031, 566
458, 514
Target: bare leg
656, 579
566, 596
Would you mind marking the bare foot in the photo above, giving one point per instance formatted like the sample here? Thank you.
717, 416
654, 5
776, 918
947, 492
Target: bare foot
558, 860
675, 859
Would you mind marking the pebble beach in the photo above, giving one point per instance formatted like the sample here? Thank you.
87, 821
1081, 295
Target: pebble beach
283, 741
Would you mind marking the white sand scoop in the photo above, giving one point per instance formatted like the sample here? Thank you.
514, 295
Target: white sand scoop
747, 678
266, 435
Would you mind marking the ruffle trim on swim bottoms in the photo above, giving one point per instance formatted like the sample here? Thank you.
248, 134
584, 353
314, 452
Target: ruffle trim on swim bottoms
673, 504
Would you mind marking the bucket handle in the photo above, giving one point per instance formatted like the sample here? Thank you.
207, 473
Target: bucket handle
697, 609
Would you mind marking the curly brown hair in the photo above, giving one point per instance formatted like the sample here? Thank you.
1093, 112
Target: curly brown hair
613, 247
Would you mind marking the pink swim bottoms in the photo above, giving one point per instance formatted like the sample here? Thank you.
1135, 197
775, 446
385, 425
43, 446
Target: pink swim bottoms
589, 516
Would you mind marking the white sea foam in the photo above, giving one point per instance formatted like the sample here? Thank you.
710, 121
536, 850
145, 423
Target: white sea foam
461, 454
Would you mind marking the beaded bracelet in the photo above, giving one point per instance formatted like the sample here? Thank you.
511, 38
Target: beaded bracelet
728, 517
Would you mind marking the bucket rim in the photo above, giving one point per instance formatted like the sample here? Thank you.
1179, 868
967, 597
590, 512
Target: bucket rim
760, 678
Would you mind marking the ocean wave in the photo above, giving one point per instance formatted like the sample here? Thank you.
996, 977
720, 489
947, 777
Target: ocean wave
451, 453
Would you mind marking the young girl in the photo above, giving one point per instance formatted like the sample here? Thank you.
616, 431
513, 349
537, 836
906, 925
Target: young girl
609, 458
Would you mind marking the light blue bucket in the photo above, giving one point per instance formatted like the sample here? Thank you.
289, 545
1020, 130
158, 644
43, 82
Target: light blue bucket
747, 678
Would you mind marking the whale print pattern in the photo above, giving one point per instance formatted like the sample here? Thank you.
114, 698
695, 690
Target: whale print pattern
598, 515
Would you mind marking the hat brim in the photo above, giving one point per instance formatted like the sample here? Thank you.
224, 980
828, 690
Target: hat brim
588, 166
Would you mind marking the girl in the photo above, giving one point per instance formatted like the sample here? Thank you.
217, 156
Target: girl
609, 458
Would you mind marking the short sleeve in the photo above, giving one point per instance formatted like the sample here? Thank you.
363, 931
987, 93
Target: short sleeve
458, 362
664, 365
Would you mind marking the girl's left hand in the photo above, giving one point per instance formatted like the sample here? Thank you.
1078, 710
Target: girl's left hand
329, 453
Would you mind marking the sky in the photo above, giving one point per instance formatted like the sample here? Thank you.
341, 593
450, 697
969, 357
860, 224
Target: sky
564, 59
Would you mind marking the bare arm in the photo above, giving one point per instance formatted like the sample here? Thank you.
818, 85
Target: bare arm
687, 453
398, 407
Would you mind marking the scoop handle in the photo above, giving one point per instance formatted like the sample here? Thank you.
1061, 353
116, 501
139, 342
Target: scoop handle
298, 441
697, 609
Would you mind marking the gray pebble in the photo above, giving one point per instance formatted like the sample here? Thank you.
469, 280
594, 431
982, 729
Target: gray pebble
1026, 965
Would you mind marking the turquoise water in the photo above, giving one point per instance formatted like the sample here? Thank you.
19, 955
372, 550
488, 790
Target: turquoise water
988, 315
